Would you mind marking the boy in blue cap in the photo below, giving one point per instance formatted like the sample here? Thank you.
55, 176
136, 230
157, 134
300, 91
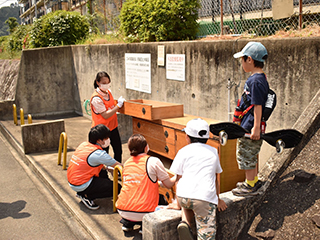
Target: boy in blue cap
253, 56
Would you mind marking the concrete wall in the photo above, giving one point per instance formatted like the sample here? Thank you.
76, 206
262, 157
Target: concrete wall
41, 137
46, 82
60, 79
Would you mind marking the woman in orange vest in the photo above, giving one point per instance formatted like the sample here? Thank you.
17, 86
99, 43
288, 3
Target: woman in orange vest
103, 111
140, 191
87, 174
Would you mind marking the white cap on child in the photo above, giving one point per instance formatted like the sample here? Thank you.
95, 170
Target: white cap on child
197, 128
253, 49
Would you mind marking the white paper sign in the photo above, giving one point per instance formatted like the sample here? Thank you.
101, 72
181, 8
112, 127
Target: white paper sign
176, 67
138, 71
161, 55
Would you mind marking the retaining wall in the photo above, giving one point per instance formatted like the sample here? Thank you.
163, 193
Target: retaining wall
59, 79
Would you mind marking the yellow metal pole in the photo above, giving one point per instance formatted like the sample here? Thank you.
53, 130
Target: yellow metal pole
21, 117
29, 119
15, 117
117, 168
63, 138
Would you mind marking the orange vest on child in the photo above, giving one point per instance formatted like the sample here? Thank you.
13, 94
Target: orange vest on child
138, 192
111, 122
79, 171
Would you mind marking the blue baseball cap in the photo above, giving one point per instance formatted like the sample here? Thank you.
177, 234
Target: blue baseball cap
253, 49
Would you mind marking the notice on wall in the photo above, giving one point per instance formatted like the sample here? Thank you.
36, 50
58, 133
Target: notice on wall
176, 67
161, 52
138, 71
282, 9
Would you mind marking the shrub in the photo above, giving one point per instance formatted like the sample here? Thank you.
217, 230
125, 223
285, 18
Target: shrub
159, 20
59, 28
18, 40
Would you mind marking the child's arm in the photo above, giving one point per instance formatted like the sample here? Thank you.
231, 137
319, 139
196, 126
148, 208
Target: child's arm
175, 203
255, 131
221, 204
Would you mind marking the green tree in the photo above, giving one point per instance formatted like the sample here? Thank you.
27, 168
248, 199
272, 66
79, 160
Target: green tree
5, 13
12, 23
159, 20
59, 28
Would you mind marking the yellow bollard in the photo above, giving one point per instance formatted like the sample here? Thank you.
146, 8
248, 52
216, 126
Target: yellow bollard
21, 117
117, 168
63, 137
15, 117
29, 119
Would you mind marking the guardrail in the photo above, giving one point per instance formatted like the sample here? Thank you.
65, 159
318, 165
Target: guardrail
63, 139
15, 117
29, 119
21, 117
117, 168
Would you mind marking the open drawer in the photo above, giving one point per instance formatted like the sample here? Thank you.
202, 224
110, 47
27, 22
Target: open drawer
151, 110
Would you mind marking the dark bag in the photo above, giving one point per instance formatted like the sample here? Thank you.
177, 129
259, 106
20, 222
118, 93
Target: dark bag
268, 108
270, 105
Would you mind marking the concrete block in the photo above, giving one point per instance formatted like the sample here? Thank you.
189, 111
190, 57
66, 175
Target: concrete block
161, 225
6, 110
39, 137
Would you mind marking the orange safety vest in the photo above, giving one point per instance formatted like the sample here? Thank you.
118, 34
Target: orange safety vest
138, 192
79, 171
111, 122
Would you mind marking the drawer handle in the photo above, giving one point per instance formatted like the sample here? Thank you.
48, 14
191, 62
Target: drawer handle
167, 149
138, 125
143, 111
166, 134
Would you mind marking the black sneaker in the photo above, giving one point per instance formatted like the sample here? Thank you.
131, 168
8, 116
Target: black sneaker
88, 203
128, 225
184, 231
244, 189
126, 229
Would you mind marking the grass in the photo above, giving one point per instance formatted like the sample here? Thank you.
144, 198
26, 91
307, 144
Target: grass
110, 38
10, 55
115, 38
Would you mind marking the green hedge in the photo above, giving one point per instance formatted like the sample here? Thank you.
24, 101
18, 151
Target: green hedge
59, 28
159, 20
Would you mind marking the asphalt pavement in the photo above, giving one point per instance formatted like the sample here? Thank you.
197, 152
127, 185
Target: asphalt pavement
27, 209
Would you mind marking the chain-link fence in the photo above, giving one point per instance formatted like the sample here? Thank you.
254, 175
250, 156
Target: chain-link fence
259, 17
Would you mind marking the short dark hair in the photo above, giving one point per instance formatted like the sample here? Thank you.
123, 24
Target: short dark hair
198, 140
136, 144
99, 76
256, 63
98, 132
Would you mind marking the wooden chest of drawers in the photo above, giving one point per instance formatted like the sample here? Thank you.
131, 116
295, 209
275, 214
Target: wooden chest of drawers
165, 137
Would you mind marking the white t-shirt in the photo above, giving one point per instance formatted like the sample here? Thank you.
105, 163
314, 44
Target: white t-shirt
198, 165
